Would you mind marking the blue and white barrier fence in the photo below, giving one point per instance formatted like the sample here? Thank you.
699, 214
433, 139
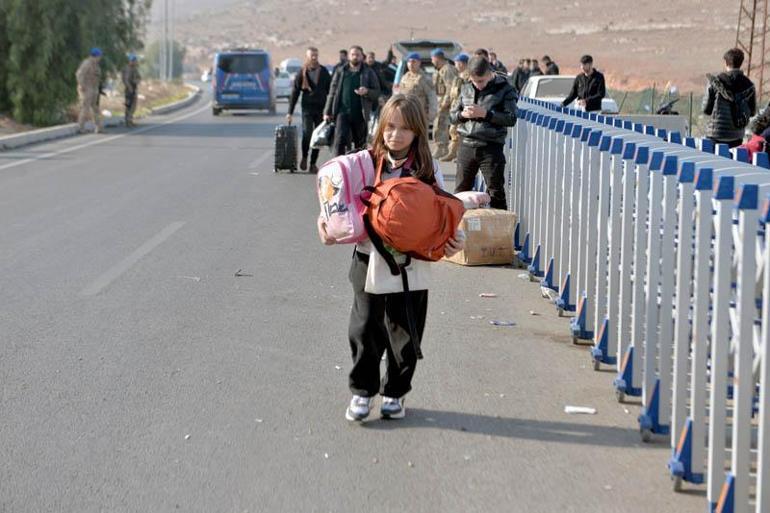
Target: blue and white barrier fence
660, 245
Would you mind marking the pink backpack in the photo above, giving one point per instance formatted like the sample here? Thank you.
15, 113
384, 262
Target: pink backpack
340, 184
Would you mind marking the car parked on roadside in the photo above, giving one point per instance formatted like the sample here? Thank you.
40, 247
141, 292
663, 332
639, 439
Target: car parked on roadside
283, 85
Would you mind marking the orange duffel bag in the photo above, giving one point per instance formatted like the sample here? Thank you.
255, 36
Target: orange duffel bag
411, 216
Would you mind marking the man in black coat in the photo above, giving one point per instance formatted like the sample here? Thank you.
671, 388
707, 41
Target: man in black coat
551, 68
312, 82
589, 87
484, 112
727, 95
354, 91
520, 76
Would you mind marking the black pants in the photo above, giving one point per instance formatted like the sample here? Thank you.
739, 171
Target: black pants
310, 120
490, 160
349, 127
732, 144
378, 323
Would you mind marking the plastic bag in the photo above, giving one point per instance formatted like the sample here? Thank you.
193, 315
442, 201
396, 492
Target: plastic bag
473, 199
323, 135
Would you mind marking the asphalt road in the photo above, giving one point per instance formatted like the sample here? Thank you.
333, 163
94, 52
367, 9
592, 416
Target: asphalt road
138, 373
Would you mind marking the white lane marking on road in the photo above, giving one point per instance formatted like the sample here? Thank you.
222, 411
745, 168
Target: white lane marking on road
259, 160
255, 174
100, 140
114, 272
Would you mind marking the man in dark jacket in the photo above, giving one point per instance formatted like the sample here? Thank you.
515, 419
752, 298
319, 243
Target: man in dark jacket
377, 67
313, 83
497, 66
355, 88
725, 96
550, 67
520, 76
534, 70
343, 60
588, 88
484, 111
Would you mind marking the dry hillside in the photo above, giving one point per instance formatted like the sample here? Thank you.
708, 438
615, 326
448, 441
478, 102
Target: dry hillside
634, 42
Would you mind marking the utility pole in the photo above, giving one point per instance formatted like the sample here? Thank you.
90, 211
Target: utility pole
172, 35
163, 45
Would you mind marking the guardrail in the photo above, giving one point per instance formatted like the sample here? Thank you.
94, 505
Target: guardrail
657, 244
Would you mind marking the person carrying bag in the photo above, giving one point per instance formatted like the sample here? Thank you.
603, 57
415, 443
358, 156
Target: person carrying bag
391, 322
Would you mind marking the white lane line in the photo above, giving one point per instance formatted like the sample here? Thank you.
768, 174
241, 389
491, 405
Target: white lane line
259, 160
114, 272
100, 140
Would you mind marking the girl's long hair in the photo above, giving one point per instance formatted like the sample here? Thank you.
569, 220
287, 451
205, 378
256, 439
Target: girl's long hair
414, 118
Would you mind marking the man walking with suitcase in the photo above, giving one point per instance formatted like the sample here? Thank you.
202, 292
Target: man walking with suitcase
354, 90
312, 82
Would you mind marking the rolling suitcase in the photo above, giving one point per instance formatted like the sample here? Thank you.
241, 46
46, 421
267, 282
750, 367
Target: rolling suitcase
285, 148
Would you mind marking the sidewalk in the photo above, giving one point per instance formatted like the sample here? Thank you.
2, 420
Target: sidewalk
506, 388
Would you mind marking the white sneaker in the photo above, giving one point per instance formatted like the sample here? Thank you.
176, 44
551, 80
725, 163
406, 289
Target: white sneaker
392, 408
358, 409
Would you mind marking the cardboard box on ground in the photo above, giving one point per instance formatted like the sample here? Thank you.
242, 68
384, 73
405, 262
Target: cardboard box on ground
488, 237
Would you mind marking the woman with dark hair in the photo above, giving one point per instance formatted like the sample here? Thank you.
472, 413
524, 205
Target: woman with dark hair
312, 82
379, 322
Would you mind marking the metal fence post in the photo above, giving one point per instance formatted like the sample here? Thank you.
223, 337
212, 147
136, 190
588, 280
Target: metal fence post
603, 351
687, 463
660, 284
763, 462
720, 342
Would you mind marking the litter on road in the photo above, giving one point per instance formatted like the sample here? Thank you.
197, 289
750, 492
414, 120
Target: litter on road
488, 295
240, 274
502, 323
580, 410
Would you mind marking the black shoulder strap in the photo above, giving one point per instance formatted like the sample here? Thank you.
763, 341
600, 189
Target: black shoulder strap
395, 270
379, 245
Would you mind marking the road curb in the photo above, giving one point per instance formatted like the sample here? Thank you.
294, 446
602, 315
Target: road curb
10, 142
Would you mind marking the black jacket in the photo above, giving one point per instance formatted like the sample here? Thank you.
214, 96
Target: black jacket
519, 78
589, 88
719, 104
369, 80
499, 99
552, 69
315, 99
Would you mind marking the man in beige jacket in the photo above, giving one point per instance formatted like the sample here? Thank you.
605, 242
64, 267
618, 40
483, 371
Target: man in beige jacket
89, 76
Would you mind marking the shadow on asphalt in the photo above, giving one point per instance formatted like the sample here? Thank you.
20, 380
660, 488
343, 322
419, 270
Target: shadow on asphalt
527, 429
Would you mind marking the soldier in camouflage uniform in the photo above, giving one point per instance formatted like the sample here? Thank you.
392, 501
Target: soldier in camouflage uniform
89, 76
461, 63
416, 83
131, 79
443, 80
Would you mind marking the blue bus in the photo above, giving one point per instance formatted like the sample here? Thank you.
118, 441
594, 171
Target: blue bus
242, 80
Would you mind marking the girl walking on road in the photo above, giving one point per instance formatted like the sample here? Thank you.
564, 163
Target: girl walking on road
379, 322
